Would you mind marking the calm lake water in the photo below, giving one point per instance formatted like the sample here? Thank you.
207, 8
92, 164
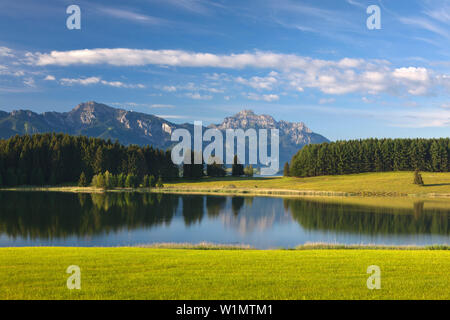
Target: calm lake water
122, 219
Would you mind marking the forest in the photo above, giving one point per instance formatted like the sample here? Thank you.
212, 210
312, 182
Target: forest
55, 159
371, 155
52, 159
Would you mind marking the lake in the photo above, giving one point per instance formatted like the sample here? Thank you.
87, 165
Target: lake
129, 219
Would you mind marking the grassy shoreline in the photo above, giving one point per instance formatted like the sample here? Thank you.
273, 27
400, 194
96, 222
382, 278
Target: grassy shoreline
149, 273
386, 184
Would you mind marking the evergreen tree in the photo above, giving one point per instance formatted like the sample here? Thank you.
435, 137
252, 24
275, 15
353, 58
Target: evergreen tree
286, 169
237, 168
151, 181
82, 182
215, 170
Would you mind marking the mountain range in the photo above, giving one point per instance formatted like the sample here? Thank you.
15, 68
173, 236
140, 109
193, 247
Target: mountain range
99, 120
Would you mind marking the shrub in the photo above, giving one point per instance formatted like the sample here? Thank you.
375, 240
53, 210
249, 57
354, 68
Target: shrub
248, 171
159, 184
418, 178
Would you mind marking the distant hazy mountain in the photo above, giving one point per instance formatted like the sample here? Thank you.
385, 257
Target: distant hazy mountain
99, 120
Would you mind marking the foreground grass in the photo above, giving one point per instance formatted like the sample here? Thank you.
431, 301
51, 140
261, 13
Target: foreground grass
143, 273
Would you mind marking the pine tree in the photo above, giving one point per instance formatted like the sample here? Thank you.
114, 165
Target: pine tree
151, 181
286, 169
82, 182
237, 168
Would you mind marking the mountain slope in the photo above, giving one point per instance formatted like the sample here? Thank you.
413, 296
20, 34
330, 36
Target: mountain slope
99, 120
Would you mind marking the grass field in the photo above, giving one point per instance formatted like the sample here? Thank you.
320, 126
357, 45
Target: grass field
363, 184
385, 183
144, 273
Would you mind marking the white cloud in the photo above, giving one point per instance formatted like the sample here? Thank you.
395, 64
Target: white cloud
412, 74
29, 82
180, 58
333, 77
98, 80
131, 16
198, 96
263, 97
50, 78
83, 81
259, 83
169, 88
6, 52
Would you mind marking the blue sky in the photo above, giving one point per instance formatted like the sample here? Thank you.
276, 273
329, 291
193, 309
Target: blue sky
186, 60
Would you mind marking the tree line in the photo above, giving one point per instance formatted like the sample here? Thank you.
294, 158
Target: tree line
371, 155
56, 158
51, 159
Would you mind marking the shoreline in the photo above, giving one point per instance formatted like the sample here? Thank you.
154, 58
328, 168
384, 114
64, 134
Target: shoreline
260, 192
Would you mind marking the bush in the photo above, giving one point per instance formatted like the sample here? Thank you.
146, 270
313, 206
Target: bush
159, 184
248, 171
418, 178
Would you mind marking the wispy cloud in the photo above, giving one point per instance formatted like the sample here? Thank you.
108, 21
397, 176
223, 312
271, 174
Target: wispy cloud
131, 15
97, 80
426, 25
263, 97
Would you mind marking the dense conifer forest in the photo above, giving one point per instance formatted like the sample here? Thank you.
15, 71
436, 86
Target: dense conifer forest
51, 159
371, 155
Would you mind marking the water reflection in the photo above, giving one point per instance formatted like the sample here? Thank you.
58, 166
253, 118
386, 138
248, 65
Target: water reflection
39, 218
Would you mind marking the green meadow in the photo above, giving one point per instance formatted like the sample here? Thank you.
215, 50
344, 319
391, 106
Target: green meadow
399, 183
380, 183
155, 273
